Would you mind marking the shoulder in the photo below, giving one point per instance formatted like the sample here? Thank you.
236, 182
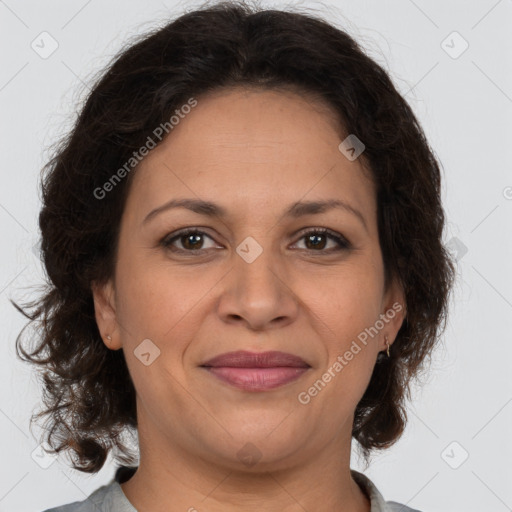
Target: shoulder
378, 504
91, 503
105, 499
393, 506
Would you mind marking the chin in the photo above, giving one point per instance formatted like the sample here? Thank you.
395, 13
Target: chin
261, 446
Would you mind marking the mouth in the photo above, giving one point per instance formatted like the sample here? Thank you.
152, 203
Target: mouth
256, 371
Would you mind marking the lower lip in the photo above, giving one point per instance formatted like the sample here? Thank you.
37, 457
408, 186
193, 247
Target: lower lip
257, 379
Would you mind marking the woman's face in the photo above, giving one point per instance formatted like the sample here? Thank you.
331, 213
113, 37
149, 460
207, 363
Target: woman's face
253, 278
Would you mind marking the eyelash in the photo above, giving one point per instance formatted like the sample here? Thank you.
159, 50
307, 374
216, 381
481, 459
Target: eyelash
343, 243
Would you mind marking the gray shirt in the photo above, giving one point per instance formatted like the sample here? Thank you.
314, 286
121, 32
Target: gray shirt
111, 498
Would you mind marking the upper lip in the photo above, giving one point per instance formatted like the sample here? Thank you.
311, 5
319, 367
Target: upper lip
245, 359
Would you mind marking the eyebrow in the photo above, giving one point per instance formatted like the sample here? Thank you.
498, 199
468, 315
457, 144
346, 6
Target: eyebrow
295, 210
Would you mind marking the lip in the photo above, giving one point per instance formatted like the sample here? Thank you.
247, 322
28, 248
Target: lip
245, 359
256, 371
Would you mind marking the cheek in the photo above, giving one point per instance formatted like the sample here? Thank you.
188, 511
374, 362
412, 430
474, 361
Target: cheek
347, 305
157, 305
346, 298
348, 308
164, 304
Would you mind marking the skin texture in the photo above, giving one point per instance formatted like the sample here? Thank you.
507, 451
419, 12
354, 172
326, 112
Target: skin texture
255, 153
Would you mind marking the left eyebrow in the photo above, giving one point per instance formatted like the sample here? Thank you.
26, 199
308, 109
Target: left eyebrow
295, 210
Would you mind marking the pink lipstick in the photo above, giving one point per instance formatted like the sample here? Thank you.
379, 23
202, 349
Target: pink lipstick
256, 371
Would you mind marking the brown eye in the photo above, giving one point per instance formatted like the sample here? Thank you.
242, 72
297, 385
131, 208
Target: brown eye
317, 240
190, 240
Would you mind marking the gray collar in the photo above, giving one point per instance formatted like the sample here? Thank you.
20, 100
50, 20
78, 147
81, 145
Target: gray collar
376, 499
115, 499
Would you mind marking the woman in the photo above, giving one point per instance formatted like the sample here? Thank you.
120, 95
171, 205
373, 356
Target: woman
243, 238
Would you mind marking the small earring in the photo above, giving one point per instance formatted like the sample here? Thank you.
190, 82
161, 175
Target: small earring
387, 344
109, 338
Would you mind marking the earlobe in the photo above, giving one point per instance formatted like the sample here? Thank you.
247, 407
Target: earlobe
105, 313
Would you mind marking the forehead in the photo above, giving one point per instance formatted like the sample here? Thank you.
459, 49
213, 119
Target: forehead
250, 149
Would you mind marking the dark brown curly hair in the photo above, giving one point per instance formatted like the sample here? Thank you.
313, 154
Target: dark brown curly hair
88, 393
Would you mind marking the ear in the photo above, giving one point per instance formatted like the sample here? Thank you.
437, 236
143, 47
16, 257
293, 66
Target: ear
105, 313
393, 313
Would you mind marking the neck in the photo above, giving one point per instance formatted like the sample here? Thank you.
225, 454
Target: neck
320, 482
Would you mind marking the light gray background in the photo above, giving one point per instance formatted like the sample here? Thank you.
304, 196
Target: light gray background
465, 106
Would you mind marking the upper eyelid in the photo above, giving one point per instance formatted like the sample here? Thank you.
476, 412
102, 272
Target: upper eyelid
182, 232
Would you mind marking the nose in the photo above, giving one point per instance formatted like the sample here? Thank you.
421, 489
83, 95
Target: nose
258, 295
